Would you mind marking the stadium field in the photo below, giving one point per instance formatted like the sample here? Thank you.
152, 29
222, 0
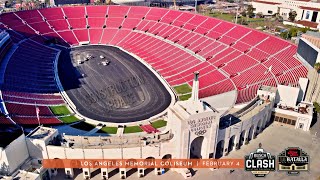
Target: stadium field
123, 91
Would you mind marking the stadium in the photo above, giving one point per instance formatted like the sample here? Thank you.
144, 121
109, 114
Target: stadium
133, 73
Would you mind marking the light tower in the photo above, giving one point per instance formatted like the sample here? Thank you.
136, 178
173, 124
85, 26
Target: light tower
195, 4
195, 87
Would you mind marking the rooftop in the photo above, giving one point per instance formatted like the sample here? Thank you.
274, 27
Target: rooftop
268, 88
302, 108
25, 175
310, 8
41, 133
308, 24
92, 142
314, 34
266, 2
236, 115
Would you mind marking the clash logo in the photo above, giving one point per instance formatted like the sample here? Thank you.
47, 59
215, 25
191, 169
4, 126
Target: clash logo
293, 160
260, 162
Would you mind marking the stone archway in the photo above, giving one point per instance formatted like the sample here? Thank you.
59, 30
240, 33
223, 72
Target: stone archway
259, 126
231, 143
219, 149
148, 170
132, 170
167, 156
242, 138
197, 148
249, 138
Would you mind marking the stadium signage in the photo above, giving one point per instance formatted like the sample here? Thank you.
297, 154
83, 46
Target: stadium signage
200, 126
260, 162
293, 160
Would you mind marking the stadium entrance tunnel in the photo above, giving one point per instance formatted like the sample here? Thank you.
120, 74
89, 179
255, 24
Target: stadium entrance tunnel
106, 84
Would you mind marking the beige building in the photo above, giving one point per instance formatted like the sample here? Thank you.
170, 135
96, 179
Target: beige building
308, 12
194, 130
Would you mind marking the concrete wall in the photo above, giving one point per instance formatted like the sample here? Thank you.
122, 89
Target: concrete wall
35, 148
134, 152
178, 146
244, 130
314, 40
288, 95
3, 162
313, 91
264, 8
303, 83
285, 7
14, 154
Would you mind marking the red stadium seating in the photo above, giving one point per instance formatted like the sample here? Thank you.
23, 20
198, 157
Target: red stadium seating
30, 17
78, 23
74, 11
34, 120
228, 56
149, 129
27, 110
96, 22
95, 35
96, 11
5, 121
52, 13
82, 35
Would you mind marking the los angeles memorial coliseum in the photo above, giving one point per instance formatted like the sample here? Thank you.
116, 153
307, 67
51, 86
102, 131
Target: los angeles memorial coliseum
105, 82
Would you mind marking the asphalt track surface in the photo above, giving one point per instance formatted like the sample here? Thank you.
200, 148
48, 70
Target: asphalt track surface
121, 92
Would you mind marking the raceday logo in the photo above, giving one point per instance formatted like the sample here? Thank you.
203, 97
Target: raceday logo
293, 160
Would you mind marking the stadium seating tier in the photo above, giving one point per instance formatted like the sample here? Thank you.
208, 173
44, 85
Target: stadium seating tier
174, 43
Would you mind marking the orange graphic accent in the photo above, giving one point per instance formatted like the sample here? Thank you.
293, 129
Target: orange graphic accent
143, 163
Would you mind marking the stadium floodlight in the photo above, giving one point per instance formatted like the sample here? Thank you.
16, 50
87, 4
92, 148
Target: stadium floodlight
237, 8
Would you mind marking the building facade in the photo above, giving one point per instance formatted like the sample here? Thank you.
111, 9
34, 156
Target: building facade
308, 12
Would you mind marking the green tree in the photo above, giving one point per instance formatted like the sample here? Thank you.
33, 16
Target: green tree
250, 10
305, 29
316, 107
317, 66
292, 15
243, 13
293, 32
285, 35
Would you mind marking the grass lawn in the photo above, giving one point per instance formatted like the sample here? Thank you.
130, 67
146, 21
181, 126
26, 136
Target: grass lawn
183, 89
83, 126
184, 97
159, 124
226, 17
132, 129
109, 130
254, 19
69, 119
60, 110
